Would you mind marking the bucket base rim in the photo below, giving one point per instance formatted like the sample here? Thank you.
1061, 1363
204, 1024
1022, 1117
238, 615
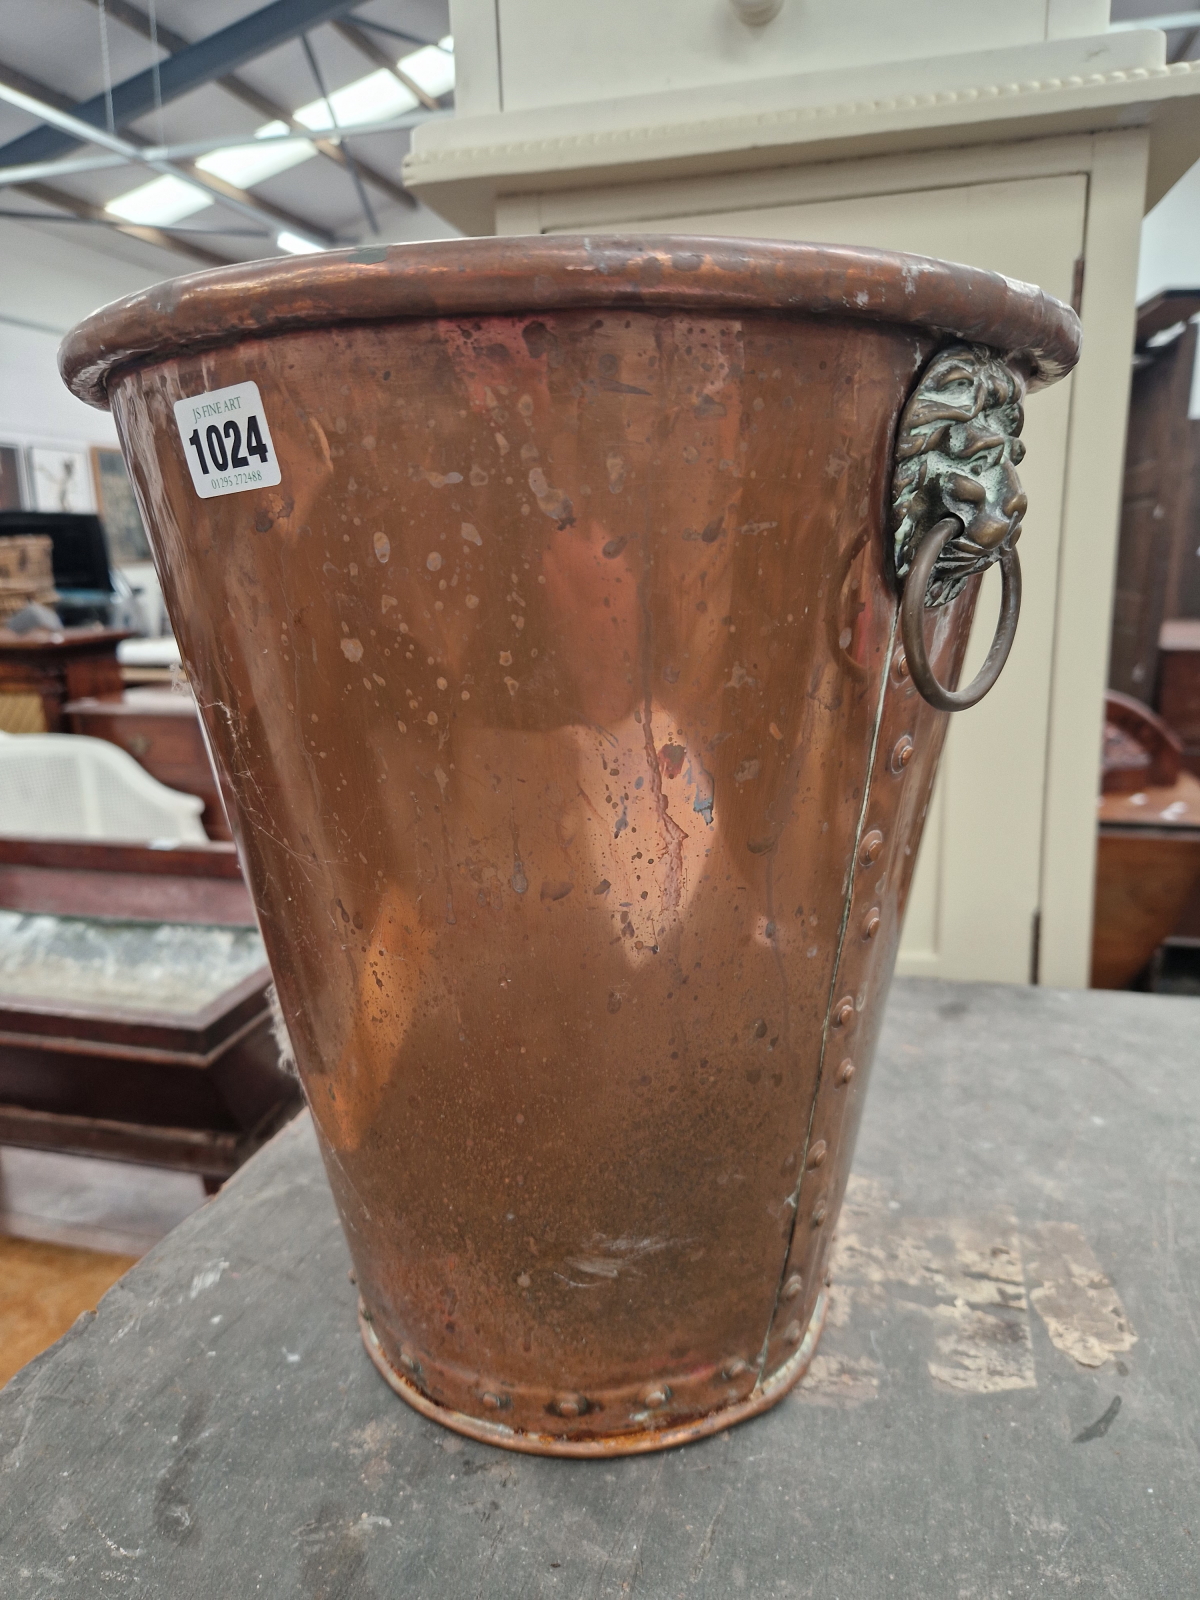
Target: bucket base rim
641, 1442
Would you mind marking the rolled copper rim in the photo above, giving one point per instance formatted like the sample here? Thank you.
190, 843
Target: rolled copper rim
642, 1442
512, 276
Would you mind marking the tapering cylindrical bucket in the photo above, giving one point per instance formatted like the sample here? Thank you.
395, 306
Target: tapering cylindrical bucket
569, 619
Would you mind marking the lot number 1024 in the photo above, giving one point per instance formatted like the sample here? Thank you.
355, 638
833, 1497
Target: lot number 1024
225, 448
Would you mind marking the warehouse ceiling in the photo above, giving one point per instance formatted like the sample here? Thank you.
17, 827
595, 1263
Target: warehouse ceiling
224, 131
171, 134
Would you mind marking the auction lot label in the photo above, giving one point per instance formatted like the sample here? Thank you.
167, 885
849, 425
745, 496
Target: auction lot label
226, 440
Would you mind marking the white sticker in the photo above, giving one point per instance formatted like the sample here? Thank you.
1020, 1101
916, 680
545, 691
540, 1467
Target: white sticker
226, 441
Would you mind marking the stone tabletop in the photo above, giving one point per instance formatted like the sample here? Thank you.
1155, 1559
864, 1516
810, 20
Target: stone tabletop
1005, 1402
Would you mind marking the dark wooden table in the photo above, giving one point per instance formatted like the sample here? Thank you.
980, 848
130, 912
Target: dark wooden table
179, 1071
1027, 1201
54, 667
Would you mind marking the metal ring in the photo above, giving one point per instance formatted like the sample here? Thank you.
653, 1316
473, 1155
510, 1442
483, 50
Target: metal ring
912, 621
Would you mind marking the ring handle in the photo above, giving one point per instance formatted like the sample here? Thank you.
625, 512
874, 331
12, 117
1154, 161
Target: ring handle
912, 621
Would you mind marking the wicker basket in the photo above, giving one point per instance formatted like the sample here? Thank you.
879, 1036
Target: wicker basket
26, 573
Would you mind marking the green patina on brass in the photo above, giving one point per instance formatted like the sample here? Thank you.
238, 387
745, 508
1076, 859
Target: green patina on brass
957, 452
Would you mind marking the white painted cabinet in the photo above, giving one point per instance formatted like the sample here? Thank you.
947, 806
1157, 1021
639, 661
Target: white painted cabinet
978, 886
1026, 158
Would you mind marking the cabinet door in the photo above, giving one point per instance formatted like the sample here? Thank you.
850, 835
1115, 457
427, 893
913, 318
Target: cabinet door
974, 902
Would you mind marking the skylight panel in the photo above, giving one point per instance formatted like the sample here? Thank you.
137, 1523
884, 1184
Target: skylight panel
295, 245
378, 97
159, 203
375, 98
432, 68
248, 164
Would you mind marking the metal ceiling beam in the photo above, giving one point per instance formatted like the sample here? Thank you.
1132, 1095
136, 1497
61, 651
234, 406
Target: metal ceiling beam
59, 198
212, 57
396, 33
107, 160
246, 200
217, 188
62, 200
134, 18
314, 67
366, 46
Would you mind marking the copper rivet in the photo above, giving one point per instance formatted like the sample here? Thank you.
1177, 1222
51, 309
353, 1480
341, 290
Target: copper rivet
843, 1012
793, 1286
570, 1405
735, 1368
872, 923
491, 1401
872, 848
818, 1215
655, 1397
817, 1154
902, 753
846, 1071
901, 665
792, 1333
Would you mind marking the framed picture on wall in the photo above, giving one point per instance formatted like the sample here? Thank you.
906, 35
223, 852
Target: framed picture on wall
61, 479
10, 478
118, 508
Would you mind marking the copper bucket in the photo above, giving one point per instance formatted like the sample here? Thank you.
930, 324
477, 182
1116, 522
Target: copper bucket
565, 615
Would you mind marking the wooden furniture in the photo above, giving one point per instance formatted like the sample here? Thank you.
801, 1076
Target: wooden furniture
26, 574
1156, 558
134, 1019
181, 883
160, 729
1148, 851
1179, 680
41, 671
1007, 1371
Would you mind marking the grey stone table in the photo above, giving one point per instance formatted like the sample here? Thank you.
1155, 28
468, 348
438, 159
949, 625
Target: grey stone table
1006, 1401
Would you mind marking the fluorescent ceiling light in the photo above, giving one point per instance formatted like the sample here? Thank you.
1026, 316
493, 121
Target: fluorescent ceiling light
248, 164
431, 68
371, 99
295, 245
376, 98
159, 203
